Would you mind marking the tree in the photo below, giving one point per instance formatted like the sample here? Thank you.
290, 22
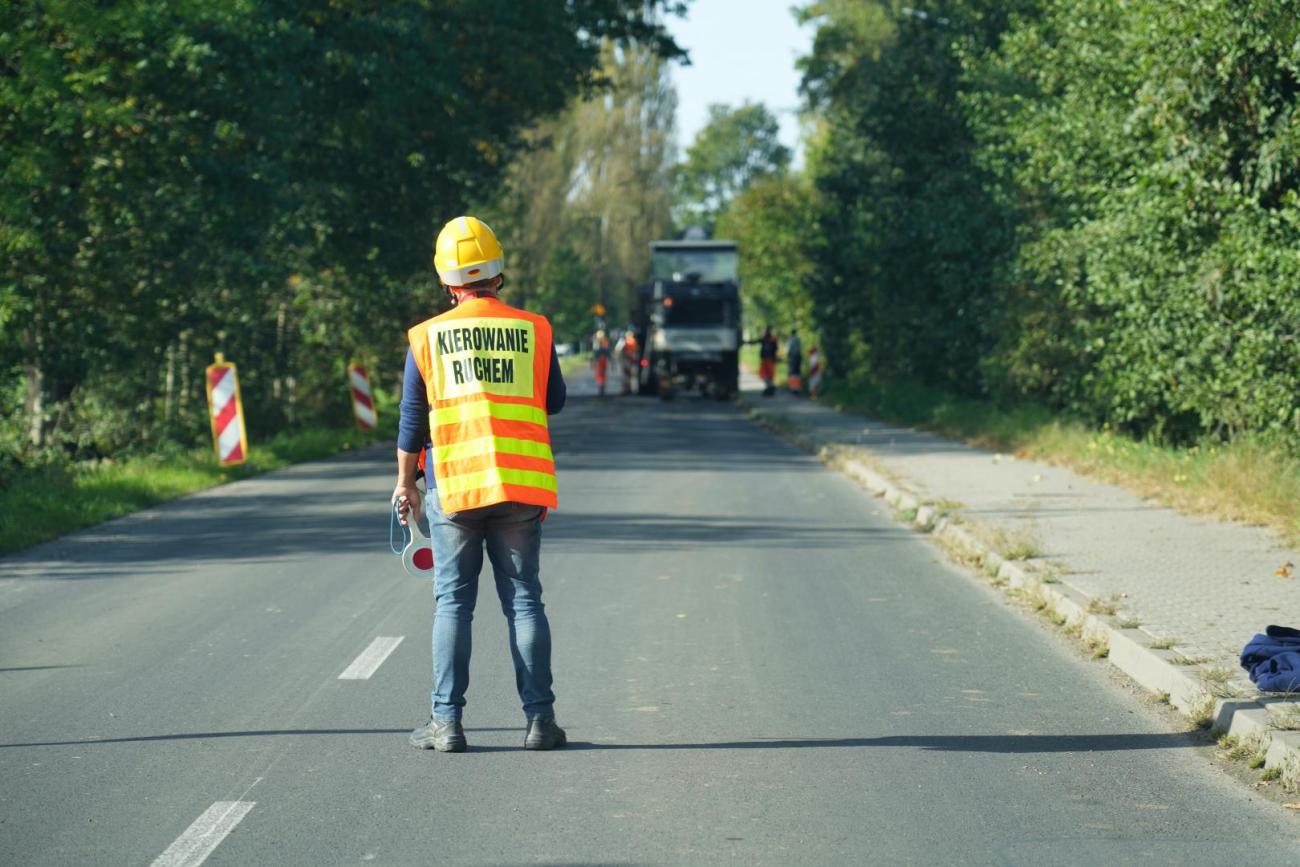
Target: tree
1153, 152
735, 148
1088, 204
909, 237
770, 222
598, 181
260, 177
564, 292
623, 181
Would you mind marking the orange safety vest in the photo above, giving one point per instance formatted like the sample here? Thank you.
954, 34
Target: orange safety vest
485, 367
602, 362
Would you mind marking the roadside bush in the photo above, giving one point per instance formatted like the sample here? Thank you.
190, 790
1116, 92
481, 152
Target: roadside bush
1153, 149
770, 222
260, 178
1087, 205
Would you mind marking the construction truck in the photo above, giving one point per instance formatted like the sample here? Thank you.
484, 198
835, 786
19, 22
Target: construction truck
689, 322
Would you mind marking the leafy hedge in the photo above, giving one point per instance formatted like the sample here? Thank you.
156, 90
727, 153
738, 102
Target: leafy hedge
1154, 148
1084, 203
262, 178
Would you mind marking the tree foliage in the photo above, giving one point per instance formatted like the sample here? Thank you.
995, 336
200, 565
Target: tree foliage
735, 148
908, 234
771, 221
596, 183
1152, 152
564, 292
260, 177
1084, 203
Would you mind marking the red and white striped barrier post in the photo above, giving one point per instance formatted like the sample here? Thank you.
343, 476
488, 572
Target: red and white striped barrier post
363, 399
814, 371
226, 411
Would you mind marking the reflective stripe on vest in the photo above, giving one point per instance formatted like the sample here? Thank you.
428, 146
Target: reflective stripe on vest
496, 476
491, 444
482, 409
485, 367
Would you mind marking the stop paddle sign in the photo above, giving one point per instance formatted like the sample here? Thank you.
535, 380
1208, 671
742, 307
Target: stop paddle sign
417, 555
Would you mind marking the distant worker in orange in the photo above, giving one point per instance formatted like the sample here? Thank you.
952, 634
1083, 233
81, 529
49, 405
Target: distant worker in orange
794, 362
600, 361
767, 361
628, 352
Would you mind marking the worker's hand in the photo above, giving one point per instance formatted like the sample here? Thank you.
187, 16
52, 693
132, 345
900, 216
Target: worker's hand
406, 497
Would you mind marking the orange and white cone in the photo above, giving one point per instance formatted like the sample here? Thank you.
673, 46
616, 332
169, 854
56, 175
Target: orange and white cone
226, 411
363, 399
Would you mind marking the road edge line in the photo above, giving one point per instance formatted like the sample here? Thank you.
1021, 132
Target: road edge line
204, 834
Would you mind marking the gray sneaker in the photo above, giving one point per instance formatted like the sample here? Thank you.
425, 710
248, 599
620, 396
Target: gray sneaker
443, 736
544, 734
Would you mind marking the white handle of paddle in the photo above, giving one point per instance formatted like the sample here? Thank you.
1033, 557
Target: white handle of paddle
417, 556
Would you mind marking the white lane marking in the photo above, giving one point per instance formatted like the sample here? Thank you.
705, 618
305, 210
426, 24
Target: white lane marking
197, 842
371, 658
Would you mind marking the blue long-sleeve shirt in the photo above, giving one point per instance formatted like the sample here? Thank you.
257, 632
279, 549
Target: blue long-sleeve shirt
413, 422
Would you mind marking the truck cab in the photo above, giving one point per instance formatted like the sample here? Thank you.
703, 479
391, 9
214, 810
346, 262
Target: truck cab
690, 319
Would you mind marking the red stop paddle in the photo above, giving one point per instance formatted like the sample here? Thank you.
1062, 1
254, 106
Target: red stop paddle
417, 556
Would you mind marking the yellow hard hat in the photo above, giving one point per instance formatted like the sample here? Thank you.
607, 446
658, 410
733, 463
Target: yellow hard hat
467, 251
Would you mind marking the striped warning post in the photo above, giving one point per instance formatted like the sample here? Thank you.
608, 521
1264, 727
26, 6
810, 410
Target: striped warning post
227, 412
814, 371
363, 399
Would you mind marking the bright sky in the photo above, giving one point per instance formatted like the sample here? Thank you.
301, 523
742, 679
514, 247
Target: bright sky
740, 49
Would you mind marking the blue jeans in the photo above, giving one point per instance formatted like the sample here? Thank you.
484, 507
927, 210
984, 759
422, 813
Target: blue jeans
512, 535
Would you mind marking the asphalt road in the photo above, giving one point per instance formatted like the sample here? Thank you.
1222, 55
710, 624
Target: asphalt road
754, 663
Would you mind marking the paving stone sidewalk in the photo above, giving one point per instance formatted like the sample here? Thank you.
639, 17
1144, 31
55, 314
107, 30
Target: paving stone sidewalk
1206, 585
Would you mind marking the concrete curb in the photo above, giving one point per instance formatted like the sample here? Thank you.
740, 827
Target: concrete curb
1222, 700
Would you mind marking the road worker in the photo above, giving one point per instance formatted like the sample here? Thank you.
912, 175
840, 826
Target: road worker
629, 356
600, 360
480, 382
794, 362
767, 361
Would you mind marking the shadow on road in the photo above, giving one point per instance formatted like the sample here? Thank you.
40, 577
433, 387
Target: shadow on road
651, 532
943, 743
273, 528
194, 532
262, 733
697, 436
324, 508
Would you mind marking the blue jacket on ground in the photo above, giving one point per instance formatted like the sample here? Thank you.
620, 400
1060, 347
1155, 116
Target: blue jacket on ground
1273, 659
